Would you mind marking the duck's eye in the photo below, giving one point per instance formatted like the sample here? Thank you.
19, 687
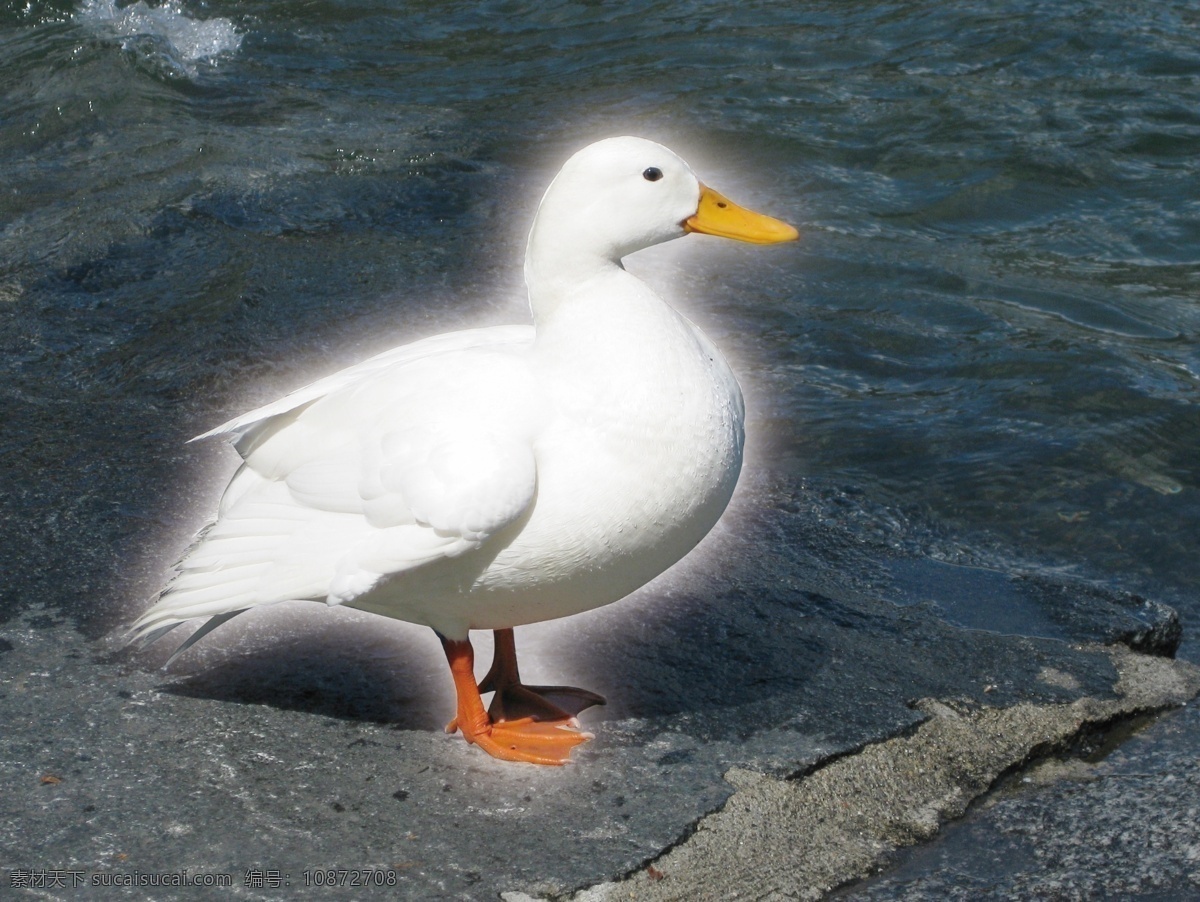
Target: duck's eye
653, 174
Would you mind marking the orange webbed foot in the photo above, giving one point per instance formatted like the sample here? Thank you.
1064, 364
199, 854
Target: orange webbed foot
529, 740
524, 725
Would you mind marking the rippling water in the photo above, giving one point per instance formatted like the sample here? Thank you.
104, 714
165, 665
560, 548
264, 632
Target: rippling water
984, 348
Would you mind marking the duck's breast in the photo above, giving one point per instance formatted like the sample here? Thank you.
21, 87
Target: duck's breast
638, 458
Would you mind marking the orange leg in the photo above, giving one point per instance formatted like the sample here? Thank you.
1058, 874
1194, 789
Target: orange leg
514, 699
523, 739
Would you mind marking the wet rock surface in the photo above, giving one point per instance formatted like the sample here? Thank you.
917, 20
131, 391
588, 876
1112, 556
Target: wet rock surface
798, 839
1124, 826
299, 740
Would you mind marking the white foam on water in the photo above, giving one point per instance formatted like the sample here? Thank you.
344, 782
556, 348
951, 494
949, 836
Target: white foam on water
188, 41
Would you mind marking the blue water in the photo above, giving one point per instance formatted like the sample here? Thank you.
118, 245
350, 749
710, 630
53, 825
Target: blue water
982, 353
983, 349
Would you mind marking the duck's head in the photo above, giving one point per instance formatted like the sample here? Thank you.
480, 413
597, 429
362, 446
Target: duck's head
620, 195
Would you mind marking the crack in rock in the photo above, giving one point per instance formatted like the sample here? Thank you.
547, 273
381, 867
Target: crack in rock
801, 838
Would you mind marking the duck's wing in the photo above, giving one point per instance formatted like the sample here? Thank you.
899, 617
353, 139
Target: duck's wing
243, 430
359, 478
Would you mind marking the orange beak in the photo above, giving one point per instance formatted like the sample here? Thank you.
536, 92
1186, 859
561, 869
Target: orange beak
717, 215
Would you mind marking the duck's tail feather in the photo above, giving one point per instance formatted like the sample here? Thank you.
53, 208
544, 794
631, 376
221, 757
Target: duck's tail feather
211, 624
147, 634
145, 638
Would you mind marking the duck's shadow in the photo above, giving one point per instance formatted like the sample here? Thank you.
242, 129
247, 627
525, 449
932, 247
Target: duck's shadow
351, 671
720, 660
653, 658
319, 681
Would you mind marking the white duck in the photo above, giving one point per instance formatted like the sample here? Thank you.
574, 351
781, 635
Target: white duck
496, 477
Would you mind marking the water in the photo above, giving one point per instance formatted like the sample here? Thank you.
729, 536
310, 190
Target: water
165, 34
982, 353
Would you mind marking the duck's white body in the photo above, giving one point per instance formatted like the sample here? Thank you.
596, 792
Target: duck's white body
489, 478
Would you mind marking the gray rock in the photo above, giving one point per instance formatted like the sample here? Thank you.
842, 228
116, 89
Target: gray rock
798, 839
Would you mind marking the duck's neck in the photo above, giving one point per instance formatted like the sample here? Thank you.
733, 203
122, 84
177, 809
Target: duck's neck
584, 325
569, 248
557, 265
552, 280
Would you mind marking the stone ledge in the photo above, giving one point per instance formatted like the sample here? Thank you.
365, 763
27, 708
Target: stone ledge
801, 838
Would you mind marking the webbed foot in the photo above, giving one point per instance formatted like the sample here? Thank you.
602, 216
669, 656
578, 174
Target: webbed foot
535, 724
